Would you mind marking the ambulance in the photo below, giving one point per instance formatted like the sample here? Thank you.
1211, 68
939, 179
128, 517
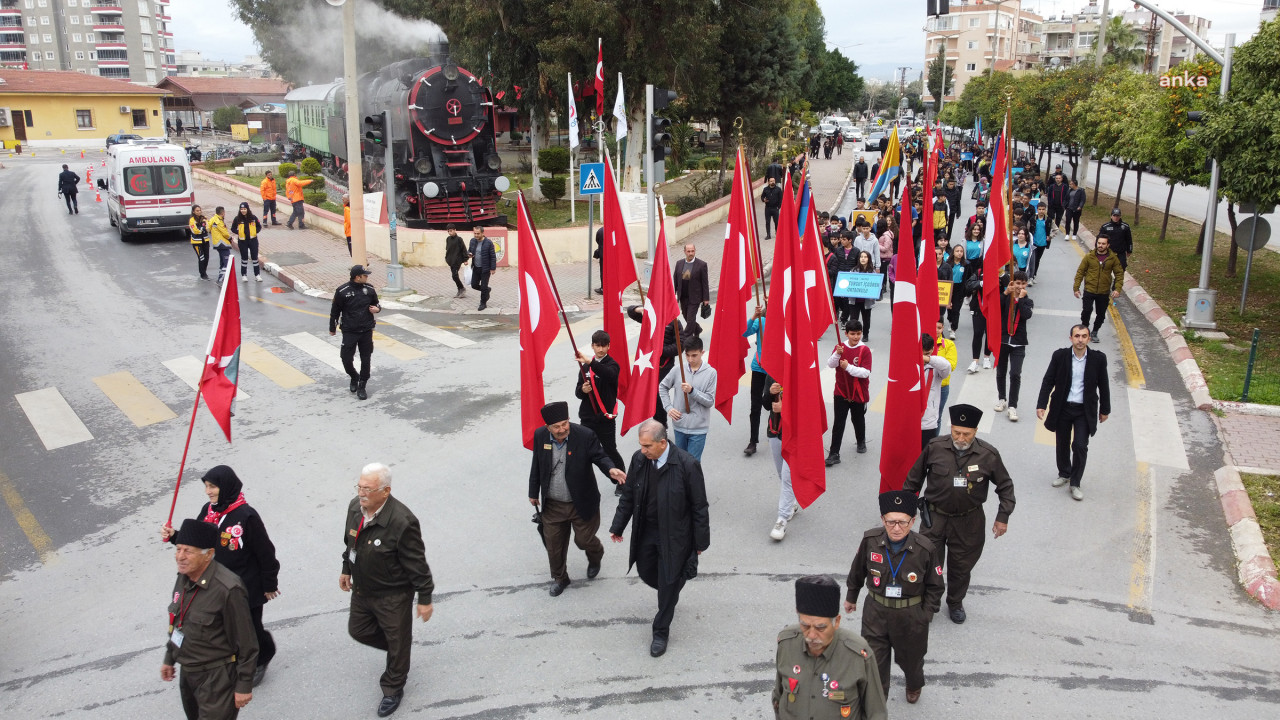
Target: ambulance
148, 186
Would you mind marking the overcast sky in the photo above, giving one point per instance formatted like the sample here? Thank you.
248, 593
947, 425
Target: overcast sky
874, 33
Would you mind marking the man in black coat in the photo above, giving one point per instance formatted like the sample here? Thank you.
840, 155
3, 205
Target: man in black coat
354, 305
561, 475
952, 193
1075, 206
693, 287
484, 261
860, 176
775, 171
68, 188
1121, 237
772, 197
1081, 398
597, 388
1015, 310
665, 496
1057, 194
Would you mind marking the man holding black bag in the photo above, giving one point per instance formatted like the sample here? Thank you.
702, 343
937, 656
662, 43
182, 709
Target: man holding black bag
693, 288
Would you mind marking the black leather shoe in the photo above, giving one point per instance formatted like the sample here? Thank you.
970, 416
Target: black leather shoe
749, 450
258, 673
389, 704
957, 614
833, 459
360, 392
355, 384
557, 588
658, 646
862, 447
593, 571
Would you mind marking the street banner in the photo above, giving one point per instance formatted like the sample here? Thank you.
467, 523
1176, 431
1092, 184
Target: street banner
859, 285
573, 118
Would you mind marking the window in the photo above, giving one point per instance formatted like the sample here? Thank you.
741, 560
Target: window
151, 77
44, 3
974, 22
30, 4
33, 39
72, 3
149, 59
48, 38
139, 118
88, 19
84, 119
75, 19
79, 54
1086, 39
973, 44
143, 8
93, 55
155, 180
76, 37
88, 37
970, 67
44, 20
26, 114
31, 20
146, 25
48, 55
146, 42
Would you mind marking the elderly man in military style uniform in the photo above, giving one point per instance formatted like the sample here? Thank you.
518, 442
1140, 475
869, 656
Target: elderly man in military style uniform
210, 630
383, 565
822, 670
956, 473
563, 453
905, 592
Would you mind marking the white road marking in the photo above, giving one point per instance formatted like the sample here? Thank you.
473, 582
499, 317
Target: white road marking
188, 368
316, 348
978, 390
52, 418
430, 332
1157, 439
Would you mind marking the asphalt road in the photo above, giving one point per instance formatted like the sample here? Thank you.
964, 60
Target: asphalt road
1121, 606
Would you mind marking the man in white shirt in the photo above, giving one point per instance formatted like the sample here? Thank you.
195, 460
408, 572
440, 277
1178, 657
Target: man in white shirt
1081, 398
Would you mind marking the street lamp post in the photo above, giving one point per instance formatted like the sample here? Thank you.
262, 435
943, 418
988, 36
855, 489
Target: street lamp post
351, 118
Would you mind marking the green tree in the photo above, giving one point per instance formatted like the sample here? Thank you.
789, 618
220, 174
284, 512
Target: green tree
1124, 47
837, 85
939, 79
225, 117
554, 160
1181, 159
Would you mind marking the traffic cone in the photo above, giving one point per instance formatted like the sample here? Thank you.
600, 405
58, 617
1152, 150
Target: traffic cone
104, 163
97, 196
82, 153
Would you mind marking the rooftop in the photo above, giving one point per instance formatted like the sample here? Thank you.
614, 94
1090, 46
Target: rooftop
44, 81
225, 85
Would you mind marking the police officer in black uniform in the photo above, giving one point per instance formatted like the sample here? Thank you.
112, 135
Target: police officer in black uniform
1121, 236
354, 305
903, 576
956, 473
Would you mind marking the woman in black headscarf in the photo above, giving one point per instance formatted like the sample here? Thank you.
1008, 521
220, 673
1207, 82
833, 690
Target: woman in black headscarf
243, 548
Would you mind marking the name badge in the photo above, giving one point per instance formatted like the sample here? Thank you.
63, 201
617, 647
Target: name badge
837, 695
959, 482
973, 468
546, 446
893, 591
176, 637
351, 556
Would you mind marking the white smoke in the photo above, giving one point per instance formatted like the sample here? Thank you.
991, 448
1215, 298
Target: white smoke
316, 36
401, 33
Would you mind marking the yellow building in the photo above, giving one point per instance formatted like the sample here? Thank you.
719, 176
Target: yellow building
71, 109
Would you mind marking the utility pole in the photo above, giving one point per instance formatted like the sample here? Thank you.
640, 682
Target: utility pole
1098, 47
351, 117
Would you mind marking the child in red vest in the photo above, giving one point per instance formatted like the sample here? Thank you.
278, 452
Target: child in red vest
852, 362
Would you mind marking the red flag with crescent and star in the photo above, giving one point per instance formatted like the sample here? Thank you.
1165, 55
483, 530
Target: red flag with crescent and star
221, 373
660, 310
729, 348
619, 274
904, 398
539, 321
599, 78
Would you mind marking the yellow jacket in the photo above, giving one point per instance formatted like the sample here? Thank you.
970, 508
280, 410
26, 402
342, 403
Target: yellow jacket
947, 349
199, 229
219, 235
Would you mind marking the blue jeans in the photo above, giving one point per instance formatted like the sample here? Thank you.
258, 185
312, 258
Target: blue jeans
691, 444
942, 404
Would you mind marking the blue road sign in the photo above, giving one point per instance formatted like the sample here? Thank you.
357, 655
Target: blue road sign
591, 179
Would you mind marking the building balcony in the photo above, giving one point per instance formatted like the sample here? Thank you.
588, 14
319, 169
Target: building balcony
112, 45
6, 45
8, 11
104, 26
113, 63
107, 7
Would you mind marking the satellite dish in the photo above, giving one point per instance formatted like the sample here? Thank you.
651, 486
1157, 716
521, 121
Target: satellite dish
336, 3
1055, 61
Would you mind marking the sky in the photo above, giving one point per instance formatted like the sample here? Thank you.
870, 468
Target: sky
878, 41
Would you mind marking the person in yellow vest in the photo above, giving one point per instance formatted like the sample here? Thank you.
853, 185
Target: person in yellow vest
346, 221
293, 190
245, 227
220, 239
198, 231
268, 191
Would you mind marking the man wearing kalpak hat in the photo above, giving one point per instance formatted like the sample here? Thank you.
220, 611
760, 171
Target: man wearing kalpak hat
560, 474
210, 629
822, 670
904, 582
955, 474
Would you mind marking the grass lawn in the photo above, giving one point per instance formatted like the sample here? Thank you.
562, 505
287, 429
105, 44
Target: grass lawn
1167, 269
1264, 492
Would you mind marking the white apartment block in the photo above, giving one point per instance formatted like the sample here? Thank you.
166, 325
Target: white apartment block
979, 35
122, 39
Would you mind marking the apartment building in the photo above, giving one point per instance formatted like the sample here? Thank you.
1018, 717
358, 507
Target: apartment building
118, 39
1165, 46
980, 35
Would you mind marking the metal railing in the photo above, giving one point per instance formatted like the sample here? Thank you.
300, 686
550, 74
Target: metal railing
1260, 379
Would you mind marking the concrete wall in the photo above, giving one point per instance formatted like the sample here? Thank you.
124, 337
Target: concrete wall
53, 118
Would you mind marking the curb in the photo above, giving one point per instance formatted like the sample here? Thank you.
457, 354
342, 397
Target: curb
844, 190
1257, 570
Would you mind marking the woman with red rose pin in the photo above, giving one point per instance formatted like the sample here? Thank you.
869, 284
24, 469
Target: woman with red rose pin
243, 548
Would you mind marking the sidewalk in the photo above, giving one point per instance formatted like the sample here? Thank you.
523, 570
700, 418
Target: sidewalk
315, 259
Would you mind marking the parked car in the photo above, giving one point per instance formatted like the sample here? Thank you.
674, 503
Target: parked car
118, 138
852, 134
872, 143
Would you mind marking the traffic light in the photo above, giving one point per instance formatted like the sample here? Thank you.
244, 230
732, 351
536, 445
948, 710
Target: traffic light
376, 128
1195, 116
938, 7
660, 127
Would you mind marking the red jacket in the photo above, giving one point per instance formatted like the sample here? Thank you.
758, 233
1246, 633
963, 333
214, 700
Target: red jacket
853, 383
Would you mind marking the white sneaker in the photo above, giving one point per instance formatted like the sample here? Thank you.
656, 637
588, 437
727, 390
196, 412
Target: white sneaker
1060, 481
795, 510
779, 530
986, 363
1013, 414
258, 278
244, 278
1077, 493
973, 367
1002, 405
952, 334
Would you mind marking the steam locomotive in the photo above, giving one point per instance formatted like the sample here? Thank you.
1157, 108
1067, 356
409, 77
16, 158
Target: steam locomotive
440, 118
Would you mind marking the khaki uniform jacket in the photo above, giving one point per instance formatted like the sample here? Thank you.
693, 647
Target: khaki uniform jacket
1100, 278
939, 468
213, 614
391, 558
919, 575
841, 683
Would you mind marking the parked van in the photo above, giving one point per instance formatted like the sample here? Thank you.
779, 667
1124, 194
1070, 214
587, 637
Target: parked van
149, 187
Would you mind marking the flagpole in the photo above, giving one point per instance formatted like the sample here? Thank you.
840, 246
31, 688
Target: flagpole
1008, 191
185, 448
753, 247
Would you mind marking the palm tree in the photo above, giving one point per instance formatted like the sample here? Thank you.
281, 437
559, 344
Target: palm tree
1123, 44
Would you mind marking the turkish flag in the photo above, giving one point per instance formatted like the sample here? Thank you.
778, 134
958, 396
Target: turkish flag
927, 270
599, 78
221, 373
729, 347
791, 357
619, 274
996, 252
539, 320
660, 310
904, 398
822, 313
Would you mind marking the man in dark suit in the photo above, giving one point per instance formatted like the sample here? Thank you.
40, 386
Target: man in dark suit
860, 177
772, 197
1077, 378
563, 453
68, 188
484, 260
665, 495
693, 287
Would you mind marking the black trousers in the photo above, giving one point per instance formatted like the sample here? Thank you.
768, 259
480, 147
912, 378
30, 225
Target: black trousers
202, 256
953, 312
1094, 303
1124, 260
385, 623
1072, 224
1072, 438
350, 342
689, 310
757, 403
861, 184
299, 213
858, 311
73, 204
457, 279
607, 430
648, 566
979, 334
926, 435
771, 216
248, 250
1010, 364
1055, 214
1035, 264
209, 694
855, 411
480, 281
266, 643
269, 211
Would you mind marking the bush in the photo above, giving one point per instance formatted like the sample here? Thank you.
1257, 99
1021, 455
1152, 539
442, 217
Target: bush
225, 117
515, 136
285, 169
553, 188
710, 164
317, 183
526, 165
311, 166
687, 203
254, 158
554, 160
314, 198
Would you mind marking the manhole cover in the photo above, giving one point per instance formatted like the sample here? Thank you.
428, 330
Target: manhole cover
291, 258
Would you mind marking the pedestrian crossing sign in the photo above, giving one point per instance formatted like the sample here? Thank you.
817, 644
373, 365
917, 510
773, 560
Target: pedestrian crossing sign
590, 179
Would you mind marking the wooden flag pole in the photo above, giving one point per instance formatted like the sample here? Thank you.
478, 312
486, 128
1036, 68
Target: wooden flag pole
185, 448
1008, 181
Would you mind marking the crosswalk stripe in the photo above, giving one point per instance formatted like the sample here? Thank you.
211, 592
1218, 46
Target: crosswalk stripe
276, 370
316, 348
1157, 439
188, 368
395, 348
430, 332
52, 418
878, 402
138, 403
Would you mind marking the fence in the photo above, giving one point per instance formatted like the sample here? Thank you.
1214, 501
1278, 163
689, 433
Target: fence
1261, 375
